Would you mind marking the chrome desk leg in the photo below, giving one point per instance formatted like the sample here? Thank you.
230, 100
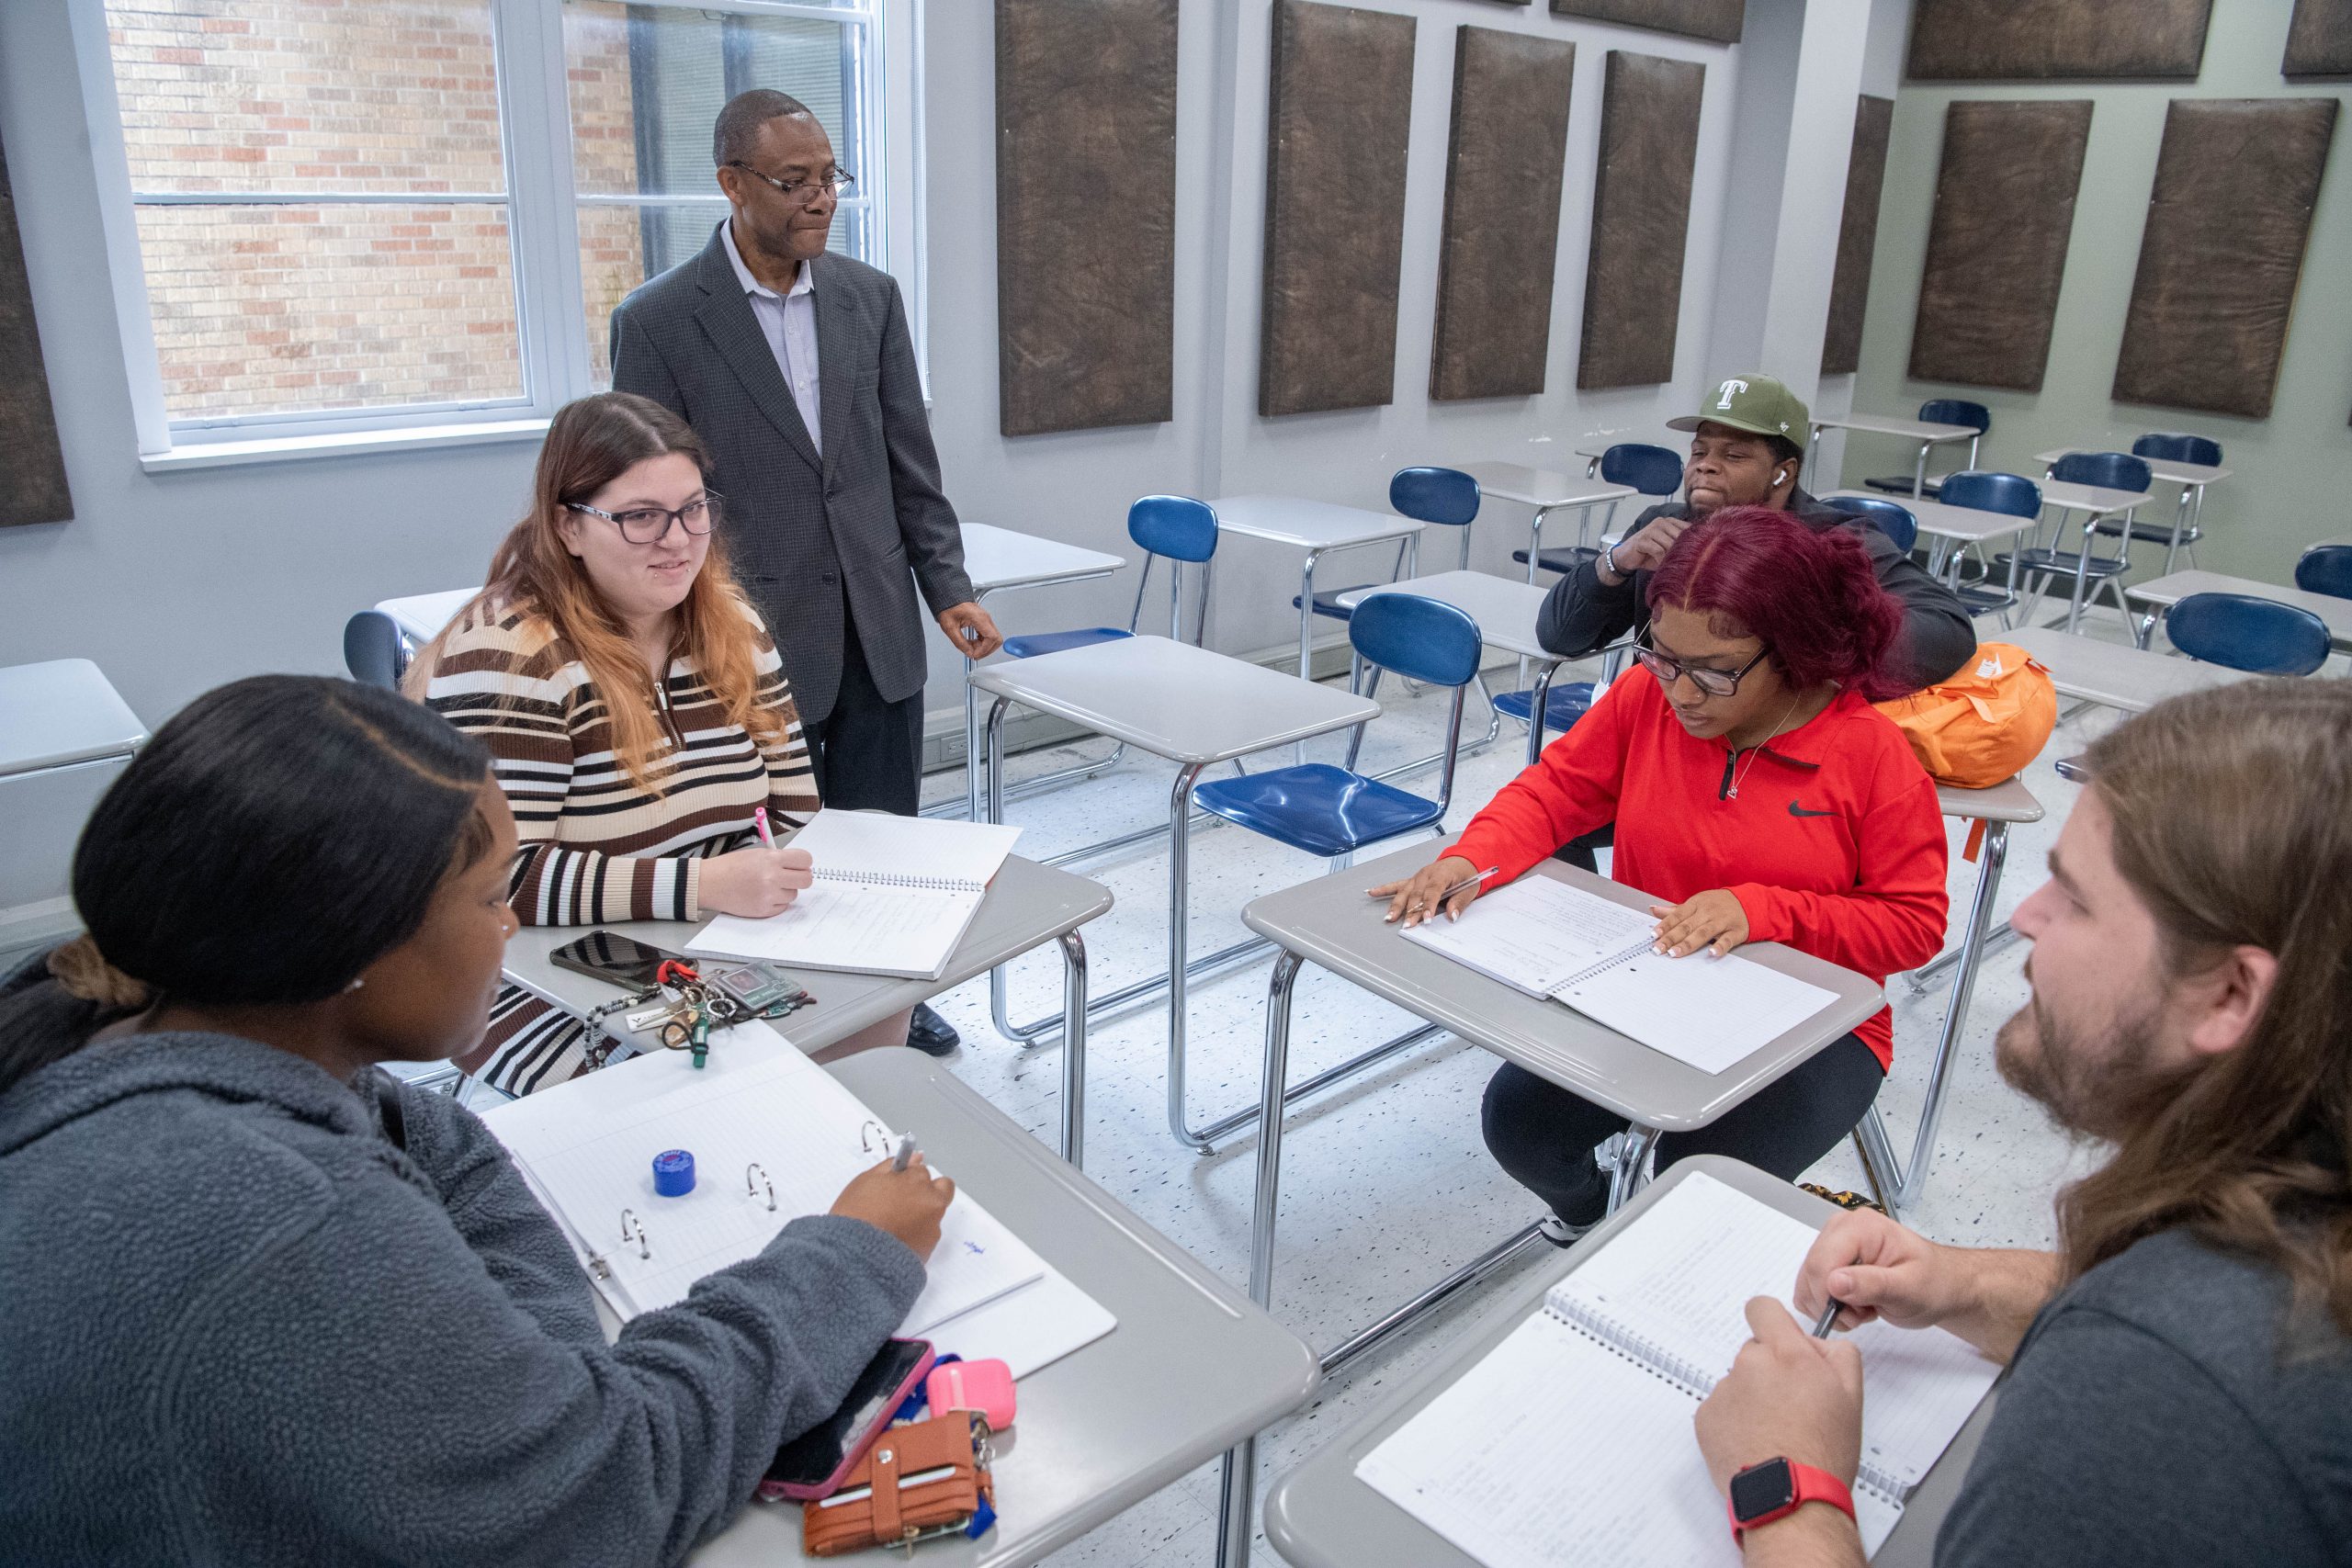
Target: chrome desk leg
1910, 1181
1535, 725
1240, 1474
1489, 1262
1632, 1161
1919, 474
1179, 871
971, 744
1074, 1049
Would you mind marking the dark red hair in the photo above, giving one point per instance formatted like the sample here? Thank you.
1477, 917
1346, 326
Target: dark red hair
1808, 594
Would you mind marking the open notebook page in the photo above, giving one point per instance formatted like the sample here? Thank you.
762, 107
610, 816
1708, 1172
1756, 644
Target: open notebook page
588, 1148
1535, 933
1553, 1450
861, 929
1702, 1009
1679, 1279
914, 848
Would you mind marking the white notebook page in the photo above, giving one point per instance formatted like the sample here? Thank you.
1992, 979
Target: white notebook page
837, 925
915, 849
1680, 1278
1536, 932
1702, 1009
588, 1148
1553, 1450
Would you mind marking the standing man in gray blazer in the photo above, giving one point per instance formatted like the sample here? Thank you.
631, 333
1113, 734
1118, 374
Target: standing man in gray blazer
796, 368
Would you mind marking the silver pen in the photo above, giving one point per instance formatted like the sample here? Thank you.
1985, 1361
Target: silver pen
1828, 1318
906, 1152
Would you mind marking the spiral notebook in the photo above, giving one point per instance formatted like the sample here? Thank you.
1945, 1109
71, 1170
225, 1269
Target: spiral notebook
892, 895
1571, 1441
1548, 938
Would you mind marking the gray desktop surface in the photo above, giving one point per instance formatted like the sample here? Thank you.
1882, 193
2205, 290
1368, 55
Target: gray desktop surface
2335, 612
1320, 1515
1331, 923
1027, 904
1542, 487
1505, 609
1173, 700
2112, 675
1192, 1368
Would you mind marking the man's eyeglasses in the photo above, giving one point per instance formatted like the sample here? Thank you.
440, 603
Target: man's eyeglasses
802, 192
1714, 682
648, 524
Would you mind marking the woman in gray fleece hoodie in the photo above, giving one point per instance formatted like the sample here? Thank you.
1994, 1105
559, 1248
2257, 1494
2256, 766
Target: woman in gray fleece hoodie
266, 1304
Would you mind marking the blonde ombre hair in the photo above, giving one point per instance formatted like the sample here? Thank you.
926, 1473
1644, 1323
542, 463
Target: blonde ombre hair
591, 443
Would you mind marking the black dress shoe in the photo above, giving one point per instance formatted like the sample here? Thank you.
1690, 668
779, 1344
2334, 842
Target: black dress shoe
929, 1033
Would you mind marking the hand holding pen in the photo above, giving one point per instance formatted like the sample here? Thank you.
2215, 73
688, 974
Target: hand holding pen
1449, 883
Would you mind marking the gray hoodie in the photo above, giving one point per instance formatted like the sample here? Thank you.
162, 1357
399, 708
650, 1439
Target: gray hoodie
252, 1316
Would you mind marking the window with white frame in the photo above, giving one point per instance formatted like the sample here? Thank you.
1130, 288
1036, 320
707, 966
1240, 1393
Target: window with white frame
358, 215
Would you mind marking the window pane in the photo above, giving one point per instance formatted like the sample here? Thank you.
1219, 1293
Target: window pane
622, 245
327, 95
295, 309
648, 83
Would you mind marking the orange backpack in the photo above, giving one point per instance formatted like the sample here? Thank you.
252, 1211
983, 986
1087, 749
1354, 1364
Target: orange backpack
1985, 724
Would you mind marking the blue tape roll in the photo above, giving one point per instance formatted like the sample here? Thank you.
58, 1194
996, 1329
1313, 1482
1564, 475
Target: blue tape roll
674, 1173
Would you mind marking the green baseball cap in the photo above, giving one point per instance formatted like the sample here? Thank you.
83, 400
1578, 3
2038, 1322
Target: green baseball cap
1757, 403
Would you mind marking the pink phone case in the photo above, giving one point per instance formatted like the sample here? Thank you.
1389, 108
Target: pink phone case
802, 1492
984, 1385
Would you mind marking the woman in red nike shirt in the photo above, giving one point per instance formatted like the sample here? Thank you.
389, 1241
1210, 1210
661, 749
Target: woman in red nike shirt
1761, 798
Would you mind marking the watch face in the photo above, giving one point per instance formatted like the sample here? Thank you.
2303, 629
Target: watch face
1765, 1489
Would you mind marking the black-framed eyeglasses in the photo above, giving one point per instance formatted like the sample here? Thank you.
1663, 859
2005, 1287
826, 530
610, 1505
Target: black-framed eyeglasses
648, 524
1714, 682
801, 191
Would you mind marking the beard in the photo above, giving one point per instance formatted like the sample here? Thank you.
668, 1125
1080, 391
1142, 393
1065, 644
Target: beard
2093, 1083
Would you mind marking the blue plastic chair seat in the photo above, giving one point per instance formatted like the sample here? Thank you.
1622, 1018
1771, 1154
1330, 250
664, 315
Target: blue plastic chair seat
1566, 558
1563, 704
1900, 484
2063, 562
1055, 642
1326, 602
1317, 808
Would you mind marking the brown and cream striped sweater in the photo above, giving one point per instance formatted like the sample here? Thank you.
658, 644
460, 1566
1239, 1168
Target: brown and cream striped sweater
595, 846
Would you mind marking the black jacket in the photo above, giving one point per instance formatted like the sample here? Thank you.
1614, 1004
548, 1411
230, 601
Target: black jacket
1580, 616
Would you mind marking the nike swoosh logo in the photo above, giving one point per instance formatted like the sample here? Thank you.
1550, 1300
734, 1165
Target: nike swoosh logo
1796, 810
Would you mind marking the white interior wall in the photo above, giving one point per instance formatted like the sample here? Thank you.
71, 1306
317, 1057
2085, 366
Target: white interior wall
177, 582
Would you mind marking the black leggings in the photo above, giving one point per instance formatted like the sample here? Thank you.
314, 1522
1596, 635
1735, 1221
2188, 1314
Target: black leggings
1544, 1135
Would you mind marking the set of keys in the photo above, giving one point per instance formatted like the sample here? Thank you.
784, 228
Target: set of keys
688, 1003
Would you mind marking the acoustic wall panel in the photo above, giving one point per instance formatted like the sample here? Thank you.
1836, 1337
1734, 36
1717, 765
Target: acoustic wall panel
1849, 285
35, 490
2228, 219
1718, 20
1981, 40
1997, 244
1501, 236
1086, 213
1340, 114
1641, 217
2319, 40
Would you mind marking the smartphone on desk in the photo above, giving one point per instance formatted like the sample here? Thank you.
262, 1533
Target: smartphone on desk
607, 956
814, 1464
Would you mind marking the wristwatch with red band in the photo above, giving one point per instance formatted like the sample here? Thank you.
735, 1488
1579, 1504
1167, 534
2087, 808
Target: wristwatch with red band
1777, 1488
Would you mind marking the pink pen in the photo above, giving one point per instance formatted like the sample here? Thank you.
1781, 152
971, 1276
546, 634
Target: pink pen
760, 826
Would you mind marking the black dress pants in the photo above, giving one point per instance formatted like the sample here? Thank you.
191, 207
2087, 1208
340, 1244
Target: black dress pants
1544, 1135
867, 753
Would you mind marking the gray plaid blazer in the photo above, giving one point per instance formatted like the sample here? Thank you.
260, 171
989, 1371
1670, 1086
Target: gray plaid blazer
853, 533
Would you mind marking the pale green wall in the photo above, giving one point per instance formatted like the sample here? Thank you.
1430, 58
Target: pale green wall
2293, 472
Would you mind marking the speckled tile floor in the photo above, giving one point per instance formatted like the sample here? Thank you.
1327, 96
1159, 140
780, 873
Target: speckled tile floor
1385, 1183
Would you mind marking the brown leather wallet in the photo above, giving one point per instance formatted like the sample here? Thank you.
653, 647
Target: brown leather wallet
925, 1478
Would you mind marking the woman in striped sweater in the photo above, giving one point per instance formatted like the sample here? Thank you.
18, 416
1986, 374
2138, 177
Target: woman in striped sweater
634, 705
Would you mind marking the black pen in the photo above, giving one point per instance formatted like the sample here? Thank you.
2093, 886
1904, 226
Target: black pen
1828, 1318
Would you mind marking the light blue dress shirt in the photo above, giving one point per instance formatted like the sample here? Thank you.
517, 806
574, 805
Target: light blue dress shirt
788, 320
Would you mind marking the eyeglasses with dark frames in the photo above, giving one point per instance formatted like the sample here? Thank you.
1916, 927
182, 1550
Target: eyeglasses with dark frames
1713, 683
649, 524
802, 192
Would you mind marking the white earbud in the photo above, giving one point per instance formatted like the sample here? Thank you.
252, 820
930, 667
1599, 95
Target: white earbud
1781, 475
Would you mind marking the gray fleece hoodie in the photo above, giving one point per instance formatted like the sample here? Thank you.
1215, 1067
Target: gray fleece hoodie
251, 1315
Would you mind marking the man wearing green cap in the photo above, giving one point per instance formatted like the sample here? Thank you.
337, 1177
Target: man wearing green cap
1744, 451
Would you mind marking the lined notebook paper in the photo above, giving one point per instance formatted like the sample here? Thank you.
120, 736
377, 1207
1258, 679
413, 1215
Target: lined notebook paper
1548, 938
587, 1149
892, 895
1624, 1349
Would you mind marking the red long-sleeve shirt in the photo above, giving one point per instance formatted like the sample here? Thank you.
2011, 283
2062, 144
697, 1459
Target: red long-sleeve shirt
1833, 845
